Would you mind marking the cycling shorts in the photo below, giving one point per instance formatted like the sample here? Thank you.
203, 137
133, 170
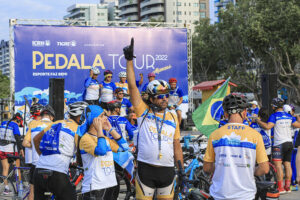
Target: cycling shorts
55, 182
103, 194
150, 178
31, 173
3, 155
282, 152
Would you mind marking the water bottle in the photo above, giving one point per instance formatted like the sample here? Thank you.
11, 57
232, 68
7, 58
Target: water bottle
20, 193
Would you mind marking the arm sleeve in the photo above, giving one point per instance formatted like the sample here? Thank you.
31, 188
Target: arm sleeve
261, 155
209, 153
137, 83
180, 92
294, 119
114, 86
88, 144
144, 87
87, 82
18, 141
129, 105
101, 147
16, 130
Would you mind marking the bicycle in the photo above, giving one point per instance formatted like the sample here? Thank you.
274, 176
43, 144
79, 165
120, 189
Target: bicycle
13, 183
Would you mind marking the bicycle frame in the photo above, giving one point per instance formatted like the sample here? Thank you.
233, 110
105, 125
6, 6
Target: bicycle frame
192, 166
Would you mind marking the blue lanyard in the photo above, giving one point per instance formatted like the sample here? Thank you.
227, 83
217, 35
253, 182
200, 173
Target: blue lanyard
159, 129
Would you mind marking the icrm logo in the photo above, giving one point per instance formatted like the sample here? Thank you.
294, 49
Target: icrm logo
41, 43
67, 44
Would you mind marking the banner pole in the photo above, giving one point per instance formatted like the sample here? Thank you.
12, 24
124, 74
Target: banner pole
12, 22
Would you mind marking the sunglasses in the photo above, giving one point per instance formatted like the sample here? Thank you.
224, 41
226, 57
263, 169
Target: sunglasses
161, 96
121, 93
109, 76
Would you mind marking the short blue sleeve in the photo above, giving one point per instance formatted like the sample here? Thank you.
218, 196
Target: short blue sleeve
113, 85
180, 92
128, 103
294, 119
15, 128
87, 82
145, 87
272, 118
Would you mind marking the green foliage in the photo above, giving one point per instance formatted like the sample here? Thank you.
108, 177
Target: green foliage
4, 86
252, 37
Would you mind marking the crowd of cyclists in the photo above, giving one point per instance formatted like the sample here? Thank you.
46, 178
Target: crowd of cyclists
95, 131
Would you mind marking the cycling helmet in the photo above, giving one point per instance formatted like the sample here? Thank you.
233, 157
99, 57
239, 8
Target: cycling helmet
172, 80
122, 75
35, 109
19, 119
157, 87
77, 108
113, 104
48, 110
293, 107
277, 102
151, 74
287, 108
95, 70
106, 72
235, 103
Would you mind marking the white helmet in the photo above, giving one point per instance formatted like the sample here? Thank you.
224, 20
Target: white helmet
122, 75
77, 108
95, 70
158, 87
287, 108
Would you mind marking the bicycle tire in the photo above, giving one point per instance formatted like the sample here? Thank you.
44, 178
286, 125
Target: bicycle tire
10, 185
123, 180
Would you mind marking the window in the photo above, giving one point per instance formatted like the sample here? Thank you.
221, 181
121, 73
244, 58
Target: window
202, 15
178, 12
196, 13
179, 21
173, 12
184, 12
196, 4
184, 4
174, 20
202, 6
178, 3
189, 4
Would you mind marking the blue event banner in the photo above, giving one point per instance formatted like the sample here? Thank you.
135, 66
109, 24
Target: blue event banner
43, 52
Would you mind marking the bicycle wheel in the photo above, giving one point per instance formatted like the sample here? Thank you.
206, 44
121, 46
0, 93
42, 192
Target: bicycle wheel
124, 188
11, 187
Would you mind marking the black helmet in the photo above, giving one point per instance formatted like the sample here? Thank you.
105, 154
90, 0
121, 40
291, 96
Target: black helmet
36, 108
235, 103
19, 119
277, 102
113, 104
48, 110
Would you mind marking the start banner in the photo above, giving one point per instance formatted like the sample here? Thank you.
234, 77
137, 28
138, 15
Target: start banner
43, 52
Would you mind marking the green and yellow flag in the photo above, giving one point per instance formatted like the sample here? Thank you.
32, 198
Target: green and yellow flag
204, 116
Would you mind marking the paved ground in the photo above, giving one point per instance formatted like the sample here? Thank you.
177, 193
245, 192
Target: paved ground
294, 195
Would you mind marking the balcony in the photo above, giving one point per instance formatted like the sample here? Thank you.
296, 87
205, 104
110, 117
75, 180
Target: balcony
128, 11
151, 2
130, 18
157, 17
127, 3
153, 10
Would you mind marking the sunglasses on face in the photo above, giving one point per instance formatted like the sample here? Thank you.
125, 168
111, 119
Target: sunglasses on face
161, 96
109, 76
121, 93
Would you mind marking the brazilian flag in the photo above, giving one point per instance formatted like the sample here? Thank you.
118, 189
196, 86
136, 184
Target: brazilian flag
206, 114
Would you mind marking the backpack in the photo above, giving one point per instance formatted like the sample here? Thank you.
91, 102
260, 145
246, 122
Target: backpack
50, 142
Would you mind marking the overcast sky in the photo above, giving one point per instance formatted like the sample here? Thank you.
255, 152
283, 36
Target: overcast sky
33, 9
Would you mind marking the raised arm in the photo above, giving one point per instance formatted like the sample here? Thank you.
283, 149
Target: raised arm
135, 96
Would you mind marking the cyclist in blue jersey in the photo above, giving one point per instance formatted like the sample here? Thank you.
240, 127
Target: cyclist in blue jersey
107, 89
126, 105
121, 124
254, 108
283, 146
266, 134
10, 138
175, 98
151, 77
91, 84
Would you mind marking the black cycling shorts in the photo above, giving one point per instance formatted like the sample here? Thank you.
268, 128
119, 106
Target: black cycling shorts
56, 182
282, 152
155, 177
31, 173
103, 194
